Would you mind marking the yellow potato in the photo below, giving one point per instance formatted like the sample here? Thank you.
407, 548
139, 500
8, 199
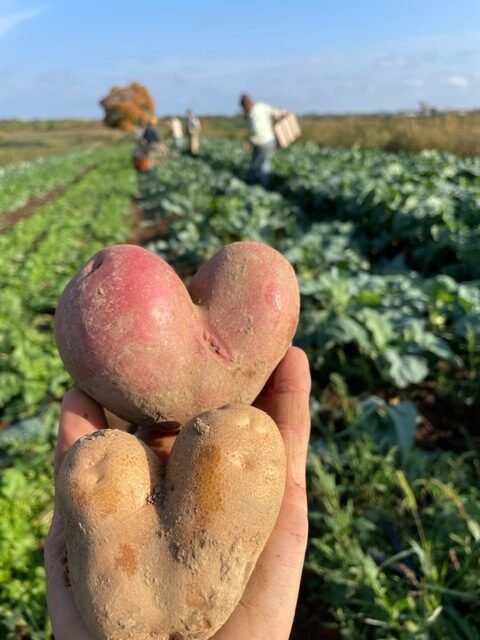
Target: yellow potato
166, 552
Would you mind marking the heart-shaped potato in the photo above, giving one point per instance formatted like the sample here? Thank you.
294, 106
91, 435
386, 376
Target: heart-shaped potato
149, 350
166, 553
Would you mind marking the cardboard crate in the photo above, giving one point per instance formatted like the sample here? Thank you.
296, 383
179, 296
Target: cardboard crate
287, 130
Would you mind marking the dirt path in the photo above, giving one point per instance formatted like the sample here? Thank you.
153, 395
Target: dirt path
9, 218
144, 230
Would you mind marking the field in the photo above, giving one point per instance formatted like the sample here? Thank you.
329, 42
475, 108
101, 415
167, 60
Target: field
455, 132
41, 138
386, 249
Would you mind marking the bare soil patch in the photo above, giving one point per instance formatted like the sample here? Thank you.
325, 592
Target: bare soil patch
146, 230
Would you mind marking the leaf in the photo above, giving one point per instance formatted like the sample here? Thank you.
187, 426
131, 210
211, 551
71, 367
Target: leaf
409, 495
405, 419
405, 369
379, 326
389, 426
469, 323
345, 329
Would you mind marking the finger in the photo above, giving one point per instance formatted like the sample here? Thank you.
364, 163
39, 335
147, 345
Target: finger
289, 396
80, 415
289, 407
263, 399
65, 617
161, 443
286, 399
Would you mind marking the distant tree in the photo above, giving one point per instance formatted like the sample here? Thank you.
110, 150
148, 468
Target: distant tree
425, 109
128, 107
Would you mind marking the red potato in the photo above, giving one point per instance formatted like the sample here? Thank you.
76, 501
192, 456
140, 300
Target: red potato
152, 352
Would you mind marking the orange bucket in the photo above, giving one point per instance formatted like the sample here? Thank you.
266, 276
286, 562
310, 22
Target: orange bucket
142, 164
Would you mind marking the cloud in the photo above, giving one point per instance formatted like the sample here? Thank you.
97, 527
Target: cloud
457, 81
361, 81
11, 20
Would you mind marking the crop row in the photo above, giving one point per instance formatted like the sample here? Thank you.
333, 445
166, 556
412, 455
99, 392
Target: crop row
395, 531
385, 516
20, 182
395, 328
37, 257
411, 211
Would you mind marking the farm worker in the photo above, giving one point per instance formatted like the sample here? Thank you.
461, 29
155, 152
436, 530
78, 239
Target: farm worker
151, 140
193, 128
265, 611
177, 132
150, 133
260, 118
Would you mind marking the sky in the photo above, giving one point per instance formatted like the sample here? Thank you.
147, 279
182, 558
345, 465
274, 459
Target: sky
58, 58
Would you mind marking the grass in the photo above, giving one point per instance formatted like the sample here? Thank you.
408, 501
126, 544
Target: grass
451, 131
394, 534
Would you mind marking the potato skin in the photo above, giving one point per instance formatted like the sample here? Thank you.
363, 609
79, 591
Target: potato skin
149, 350
156, 552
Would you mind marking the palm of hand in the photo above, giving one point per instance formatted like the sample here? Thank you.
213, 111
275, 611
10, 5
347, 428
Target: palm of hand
267, 607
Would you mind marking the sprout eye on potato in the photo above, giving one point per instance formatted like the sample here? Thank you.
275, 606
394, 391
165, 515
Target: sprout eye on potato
166, 553
136, 340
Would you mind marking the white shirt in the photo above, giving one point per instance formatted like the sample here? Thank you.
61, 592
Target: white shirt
176, 126
260, 121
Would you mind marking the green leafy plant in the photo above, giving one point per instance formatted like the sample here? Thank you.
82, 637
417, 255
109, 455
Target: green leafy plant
26, 497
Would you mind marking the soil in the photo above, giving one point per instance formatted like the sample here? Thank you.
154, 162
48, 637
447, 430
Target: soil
448, 423
144, 230
308, 626
156, 226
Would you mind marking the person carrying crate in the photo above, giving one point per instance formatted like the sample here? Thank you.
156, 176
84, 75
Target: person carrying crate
260, 119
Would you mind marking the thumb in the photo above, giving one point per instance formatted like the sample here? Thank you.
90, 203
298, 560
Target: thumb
80, 415
286, 399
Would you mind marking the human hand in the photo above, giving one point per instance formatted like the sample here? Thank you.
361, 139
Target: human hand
267, 607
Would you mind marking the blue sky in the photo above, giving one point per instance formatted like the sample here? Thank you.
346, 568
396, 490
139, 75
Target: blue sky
59, 57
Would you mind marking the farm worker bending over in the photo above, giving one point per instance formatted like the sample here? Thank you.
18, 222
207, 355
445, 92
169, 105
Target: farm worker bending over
193, 128
260, 119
